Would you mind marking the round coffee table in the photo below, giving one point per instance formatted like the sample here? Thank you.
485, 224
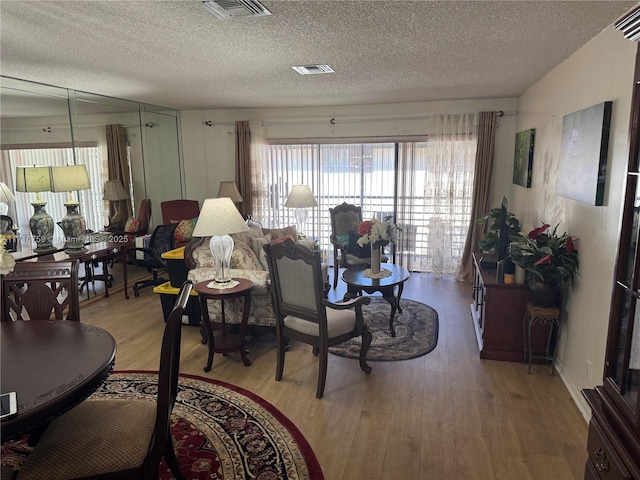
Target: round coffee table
357, 283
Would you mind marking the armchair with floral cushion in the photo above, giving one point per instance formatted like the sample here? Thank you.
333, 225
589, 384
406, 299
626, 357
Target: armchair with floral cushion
249, 261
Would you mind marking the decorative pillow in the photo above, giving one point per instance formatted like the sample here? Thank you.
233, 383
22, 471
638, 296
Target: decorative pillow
282, 239
132, 225
243, 258
257, 245
357, 250
278, 233
184, 231
343, 239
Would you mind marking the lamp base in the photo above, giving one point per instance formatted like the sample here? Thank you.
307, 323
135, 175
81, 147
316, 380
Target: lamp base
221, 247
118, 220
74, 229
41, 225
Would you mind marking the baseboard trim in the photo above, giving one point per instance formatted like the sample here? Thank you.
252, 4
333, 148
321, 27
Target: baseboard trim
575, 393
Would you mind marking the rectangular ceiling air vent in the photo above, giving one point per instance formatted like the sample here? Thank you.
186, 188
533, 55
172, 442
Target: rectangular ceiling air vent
313, 69
222, 9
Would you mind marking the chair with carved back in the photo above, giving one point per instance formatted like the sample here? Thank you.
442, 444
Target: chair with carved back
41, 290
116, 439
302, 312
346, 218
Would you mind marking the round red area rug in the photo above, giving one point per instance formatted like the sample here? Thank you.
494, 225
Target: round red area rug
219, 431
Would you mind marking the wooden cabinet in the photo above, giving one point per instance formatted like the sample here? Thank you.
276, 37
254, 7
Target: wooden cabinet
613, 444
497, 311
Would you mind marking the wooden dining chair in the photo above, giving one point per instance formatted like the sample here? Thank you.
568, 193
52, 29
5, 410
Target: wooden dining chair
302, 312
116, 439
41, 290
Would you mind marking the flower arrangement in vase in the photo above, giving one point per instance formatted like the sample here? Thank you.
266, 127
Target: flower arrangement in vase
546, 257
378, 234
7, 263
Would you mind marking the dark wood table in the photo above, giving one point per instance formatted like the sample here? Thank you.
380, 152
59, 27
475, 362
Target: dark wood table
226, 342
52, 366
357, 283
104, 252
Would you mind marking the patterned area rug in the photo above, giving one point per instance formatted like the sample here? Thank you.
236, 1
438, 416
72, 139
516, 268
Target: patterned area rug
220, 431
416, 332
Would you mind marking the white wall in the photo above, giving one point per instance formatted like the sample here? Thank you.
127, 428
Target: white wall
209, 156
600, 71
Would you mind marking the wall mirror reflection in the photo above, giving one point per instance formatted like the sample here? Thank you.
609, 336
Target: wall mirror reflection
135, 144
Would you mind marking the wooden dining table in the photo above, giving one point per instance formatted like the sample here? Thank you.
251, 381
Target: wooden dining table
52, 366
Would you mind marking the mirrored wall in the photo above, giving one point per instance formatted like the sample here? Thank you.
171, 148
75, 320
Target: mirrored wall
48, 125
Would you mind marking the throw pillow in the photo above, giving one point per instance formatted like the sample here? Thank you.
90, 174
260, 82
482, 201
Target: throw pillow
257, 245
243, 258
184, 231
343, 239
357, 250
278, 233
282, 239
132, 225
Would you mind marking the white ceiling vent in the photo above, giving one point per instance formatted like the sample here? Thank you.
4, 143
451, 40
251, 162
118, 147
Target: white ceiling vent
235, 8
313, 69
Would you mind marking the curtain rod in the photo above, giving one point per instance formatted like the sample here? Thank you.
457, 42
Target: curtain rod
335, 121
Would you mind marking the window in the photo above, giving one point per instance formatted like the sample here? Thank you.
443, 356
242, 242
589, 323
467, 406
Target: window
426, 186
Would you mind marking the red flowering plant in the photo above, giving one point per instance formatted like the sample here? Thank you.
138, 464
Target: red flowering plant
376, 232
546, 257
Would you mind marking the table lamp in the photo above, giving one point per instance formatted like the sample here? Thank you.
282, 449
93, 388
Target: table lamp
114, 192
230, 189
6, 197
37, 179
301, 198
68, 179
218, 218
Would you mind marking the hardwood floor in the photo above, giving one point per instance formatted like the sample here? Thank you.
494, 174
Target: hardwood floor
447, 415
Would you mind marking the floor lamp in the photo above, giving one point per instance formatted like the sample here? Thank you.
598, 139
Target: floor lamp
68, 179
301, 198
114, 192
37, 179
218, 218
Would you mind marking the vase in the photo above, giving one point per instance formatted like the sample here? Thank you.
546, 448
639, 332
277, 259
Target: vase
520, 275
544, 294
375, 259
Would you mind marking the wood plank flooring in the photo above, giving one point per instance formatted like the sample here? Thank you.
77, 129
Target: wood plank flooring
447, 415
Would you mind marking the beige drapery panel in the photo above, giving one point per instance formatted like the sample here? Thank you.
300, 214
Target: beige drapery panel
481, 189
117, 161
243, 166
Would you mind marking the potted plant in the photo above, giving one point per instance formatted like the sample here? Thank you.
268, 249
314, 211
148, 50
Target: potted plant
490, 241
549, 260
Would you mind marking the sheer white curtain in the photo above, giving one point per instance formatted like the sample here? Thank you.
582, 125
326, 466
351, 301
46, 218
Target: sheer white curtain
435, 187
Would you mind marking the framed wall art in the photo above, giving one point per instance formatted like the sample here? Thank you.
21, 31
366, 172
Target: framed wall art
523, 158
583, 154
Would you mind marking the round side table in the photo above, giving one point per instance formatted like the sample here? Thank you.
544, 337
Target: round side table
227, 342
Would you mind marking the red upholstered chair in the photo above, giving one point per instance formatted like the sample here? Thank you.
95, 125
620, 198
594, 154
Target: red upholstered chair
175, 210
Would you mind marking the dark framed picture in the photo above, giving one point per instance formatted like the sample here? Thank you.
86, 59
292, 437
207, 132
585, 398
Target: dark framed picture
523, 158
583, 154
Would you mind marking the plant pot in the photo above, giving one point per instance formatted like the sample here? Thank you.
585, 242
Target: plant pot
544, 294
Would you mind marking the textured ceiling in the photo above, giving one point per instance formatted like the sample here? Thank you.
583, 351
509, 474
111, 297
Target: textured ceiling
176, 54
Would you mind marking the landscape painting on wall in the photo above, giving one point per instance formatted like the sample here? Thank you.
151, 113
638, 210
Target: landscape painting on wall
583, 154
523, 158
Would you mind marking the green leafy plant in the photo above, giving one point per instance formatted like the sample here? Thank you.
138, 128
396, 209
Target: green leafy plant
490, 241
546, 257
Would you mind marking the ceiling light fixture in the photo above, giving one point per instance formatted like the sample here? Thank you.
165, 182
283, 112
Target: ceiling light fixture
223, 9
313, 69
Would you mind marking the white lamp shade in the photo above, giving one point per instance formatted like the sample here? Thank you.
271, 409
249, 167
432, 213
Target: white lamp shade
33, 179
114, 190
301, 196
70, 178
6, 195
230, 189
219, 216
